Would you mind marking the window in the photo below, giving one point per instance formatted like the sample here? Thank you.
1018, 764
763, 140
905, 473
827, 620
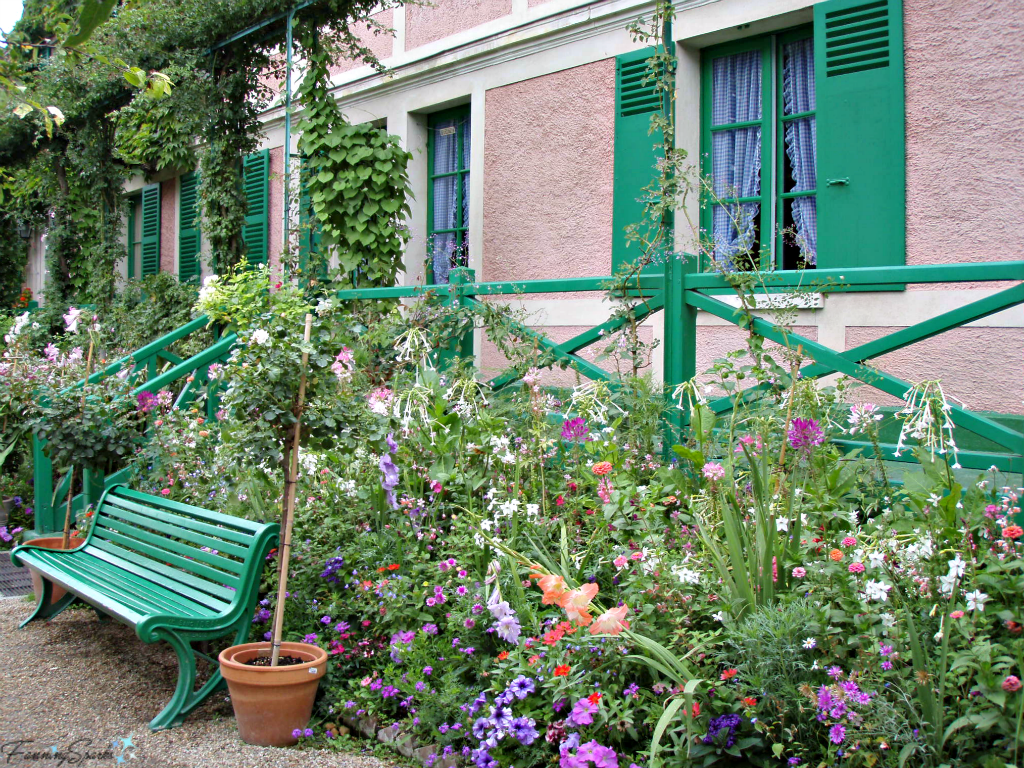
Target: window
144, 232
803, 140
760, 140
448, 143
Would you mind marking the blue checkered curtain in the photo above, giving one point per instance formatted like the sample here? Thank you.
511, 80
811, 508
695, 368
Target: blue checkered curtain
736, 153
446, 160
800, 137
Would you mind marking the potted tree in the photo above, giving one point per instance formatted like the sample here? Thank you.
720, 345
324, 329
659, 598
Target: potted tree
274, 372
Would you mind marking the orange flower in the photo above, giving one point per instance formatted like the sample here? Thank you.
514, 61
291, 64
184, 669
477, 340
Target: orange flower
750, 701
503, 655
576, 601
729, 674
602, 468
1013, 532
533, 660
611, 622
561, 670
394, 567
836, 554
553, 588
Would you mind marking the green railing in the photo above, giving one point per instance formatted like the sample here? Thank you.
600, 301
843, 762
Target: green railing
155, 368
681, 292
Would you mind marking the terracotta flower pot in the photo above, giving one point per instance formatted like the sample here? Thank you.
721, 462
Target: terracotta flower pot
271, 702
51, 542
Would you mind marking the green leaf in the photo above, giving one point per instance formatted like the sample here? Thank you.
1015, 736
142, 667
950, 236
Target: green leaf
94, 13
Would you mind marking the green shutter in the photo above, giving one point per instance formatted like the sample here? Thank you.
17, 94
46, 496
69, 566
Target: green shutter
858, 63
256, 182
635, 153
188, 229
309, 230
150, 230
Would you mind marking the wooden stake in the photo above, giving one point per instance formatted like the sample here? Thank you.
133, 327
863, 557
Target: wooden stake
289, 505
66, 541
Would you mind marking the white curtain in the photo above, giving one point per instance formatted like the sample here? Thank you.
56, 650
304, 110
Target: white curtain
800, 136
445, 250
736, 153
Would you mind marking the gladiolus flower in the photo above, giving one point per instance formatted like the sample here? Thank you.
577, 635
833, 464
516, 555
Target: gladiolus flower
611, 622
576, 601
553, 588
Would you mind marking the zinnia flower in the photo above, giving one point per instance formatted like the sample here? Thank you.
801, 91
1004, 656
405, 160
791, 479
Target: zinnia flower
1011, 683
602, 468
1013, 532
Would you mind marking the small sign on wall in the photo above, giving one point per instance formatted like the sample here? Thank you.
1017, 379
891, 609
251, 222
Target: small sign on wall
449, 131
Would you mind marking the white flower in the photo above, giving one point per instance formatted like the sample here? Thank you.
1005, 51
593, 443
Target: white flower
938, 637
686, 575
888, 620
781, 524
876, 559
533, 511
719, 617
877, 590
957, 566
810, 643
71, 319
976, 600
260, 336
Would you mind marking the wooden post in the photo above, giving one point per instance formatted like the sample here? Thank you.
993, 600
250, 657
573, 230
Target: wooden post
289, 505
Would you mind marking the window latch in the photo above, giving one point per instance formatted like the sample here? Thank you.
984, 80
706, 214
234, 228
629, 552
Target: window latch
837, 182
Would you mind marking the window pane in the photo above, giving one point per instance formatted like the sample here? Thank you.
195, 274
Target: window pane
443, 248
736, 88
465, 140
801, 156
735, 230
446, 146
800, 232
736, 162
445, 203
798, 77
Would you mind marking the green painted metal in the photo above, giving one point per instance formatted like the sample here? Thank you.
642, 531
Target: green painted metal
160, 580
680, 345
991, 430
980, 460
209, 355
143, 354
858, 63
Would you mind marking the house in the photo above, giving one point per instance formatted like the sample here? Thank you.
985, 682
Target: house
839, 134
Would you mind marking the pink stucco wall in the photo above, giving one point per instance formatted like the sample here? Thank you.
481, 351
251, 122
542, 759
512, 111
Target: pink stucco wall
548, 175
275, 203
427, 23
716, 341
381, 44
965, 134
981, 366
168, 225
492, 362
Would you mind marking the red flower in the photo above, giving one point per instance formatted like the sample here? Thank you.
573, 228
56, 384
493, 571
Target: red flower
594, 697
559, 501
729, 674
696, 709
1013, 532
750, 701
562, 670
503, 655
394, 567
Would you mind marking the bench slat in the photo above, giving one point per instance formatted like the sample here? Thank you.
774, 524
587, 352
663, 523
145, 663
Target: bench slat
215, 589
164, 556
198, 513
105, 523
192, 595
179, 532
245, 539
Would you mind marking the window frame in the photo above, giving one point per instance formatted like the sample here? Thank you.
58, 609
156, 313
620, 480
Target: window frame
461, 175
772, 196
133, 244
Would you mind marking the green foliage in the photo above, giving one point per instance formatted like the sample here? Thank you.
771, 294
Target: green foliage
357, 182
144, 310
13, 257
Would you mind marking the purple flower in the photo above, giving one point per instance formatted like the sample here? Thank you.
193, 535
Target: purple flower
722, 724
522, 686
421, 686
428, 670
392, 445
886, 665
837, 734
342, 627
835, 672
332, 569
388, 691
631, 691
325, 619
575, 429
481, 727
297, 733
146, 402
582, 713
389, 479
469, 623
310, 638
430, 629
308, 732
508, 629
805, 433
524, 731
461, 590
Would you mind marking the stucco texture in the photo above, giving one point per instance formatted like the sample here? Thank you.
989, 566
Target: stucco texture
548, 154
492, 362
965, 134
981, 366
716, 341
381, 44
275, 206
442, 18
168, 225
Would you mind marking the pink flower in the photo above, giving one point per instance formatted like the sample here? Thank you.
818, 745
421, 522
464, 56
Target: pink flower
956, 615
553, 588
620, 561
799, 573
856, 568
1011, 683
166, 492
602, 468
576, 601
611, 622
849, 541
713, 471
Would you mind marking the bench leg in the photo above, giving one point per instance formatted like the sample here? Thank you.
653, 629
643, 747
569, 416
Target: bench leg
44, 610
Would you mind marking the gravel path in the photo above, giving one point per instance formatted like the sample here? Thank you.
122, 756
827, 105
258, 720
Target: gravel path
75, 678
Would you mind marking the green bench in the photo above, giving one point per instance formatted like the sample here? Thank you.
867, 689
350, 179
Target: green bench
173, 571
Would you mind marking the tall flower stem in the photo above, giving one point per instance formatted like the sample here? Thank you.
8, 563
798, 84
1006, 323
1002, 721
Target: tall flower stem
66, 540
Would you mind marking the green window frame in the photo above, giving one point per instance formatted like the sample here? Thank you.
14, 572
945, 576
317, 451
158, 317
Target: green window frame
134, 246
438, 230
771, 220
